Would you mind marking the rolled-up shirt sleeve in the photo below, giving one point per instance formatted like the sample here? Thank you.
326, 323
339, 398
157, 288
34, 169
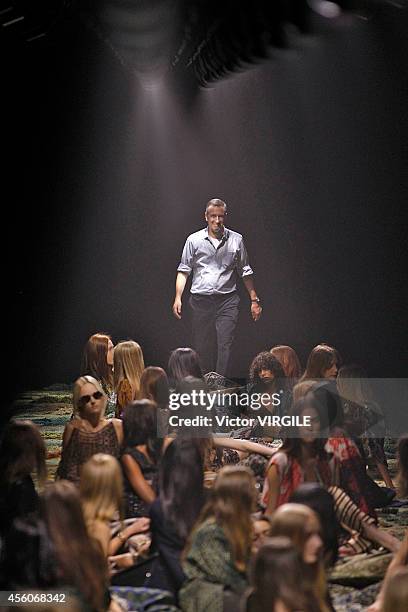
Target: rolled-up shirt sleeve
243, 268
187, 257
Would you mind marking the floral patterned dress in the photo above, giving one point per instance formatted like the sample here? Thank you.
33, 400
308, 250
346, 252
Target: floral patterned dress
291, 475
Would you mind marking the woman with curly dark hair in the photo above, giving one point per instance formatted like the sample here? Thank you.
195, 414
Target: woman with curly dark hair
267, 378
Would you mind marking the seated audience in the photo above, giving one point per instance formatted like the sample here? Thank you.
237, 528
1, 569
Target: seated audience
303, 457
217, 449
128, 365
353, 477
218, 553
89, 432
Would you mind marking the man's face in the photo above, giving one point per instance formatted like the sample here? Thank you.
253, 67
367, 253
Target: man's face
215, 216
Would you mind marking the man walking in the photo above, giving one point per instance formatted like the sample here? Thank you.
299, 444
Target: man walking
215, 255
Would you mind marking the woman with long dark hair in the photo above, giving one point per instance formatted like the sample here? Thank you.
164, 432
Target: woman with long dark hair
140, 456
218, 553
289, 361
80, 561
317, 498
183, 362
302, 526
97, 361
22, 455
175, 511
154, 386
303, 457
323, 362
277, 579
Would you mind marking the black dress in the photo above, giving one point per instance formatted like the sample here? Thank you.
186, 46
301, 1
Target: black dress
134, 505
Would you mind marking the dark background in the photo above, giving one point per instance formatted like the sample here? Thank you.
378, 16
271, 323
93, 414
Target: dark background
308, 148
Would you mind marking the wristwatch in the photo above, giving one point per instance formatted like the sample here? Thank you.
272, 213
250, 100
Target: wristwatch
257, 300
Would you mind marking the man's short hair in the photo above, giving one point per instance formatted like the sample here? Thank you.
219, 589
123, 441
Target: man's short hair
216, 202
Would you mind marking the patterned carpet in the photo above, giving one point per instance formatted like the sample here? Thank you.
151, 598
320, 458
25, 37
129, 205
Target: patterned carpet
50, 409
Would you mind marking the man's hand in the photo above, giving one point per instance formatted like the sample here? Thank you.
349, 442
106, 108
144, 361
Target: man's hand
256, 311
177, 308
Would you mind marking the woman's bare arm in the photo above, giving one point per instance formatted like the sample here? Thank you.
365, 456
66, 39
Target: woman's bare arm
245, 446
136, 479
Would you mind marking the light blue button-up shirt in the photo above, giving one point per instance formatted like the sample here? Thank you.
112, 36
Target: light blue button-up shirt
215, 268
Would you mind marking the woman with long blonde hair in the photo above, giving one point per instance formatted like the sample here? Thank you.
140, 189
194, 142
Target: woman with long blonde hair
89, 432
218, 553
101, 490
128, 366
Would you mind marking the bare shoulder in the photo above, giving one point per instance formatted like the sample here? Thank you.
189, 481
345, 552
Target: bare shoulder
101, 532
68, 430
117, 423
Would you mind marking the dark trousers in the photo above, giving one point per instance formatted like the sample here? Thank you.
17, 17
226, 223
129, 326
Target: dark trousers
214, 321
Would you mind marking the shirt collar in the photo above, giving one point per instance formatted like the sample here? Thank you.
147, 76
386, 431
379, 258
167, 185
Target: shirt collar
224, 236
